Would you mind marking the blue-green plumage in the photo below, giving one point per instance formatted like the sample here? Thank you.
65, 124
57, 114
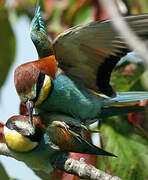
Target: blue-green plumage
66, 97
80, 103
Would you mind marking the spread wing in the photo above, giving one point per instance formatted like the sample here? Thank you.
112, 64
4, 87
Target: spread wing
89, 53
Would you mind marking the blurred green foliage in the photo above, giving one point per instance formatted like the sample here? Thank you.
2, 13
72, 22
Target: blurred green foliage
130, 146
3, 174
119, 136
7, 46
126, 75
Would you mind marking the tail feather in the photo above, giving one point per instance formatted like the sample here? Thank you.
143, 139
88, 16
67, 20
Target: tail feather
37, 22
39, 35
116, 111
126, 98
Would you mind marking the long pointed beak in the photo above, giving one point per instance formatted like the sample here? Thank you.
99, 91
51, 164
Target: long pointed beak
30, 106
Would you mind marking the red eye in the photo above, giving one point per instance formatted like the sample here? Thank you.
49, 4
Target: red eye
13, 125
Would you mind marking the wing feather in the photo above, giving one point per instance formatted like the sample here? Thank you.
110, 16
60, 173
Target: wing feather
85, 51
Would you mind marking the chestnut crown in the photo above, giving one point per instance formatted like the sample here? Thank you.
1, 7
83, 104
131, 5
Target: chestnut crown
33, 80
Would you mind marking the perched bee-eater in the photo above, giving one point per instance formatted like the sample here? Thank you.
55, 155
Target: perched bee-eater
73, 73
28, 143
36, 145
20, 135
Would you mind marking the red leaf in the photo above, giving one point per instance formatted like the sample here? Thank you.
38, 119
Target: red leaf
1, 135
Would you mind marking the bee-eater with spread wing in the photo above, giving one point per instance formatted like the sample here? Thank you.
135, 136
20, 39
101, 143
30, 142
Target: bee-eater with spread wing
73, 73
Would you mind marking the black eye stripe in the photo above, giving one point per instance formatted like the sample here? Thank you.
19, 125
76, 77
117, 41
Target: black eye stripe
37, 136
10, 125
40, 82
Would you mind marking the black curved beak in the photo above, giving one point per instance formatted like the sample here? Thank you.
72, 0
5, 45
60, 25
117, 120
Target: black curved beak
30, 106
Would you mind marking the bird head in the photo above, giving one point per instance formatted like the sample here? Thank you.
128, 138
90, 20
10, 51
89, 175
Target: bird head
20, 135
33, 81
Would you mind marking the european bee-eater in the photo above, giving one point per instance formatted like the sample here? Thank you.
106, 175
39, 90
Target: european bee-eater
28, 143
20, 135
77, 68
36, 145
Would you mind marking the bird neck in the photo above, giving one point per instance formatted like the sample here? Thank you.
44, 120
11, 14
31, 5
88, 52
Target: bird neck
42, 44
48, 65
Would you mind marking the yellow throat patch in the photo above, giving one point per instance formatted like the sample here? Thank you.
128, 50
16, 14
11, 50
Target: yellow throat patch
18, 142
45, 90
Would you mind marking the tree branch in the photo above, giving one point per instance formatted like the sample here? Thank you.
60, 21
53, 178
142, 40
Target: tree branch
121, 26
81, 169
4, 150
69, 165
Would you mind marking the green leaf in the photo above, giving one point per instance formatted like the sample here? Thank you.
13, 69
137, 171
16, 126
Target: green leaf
126, 75
3, 174
7, 46
84, 15
120, 138
144, 6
